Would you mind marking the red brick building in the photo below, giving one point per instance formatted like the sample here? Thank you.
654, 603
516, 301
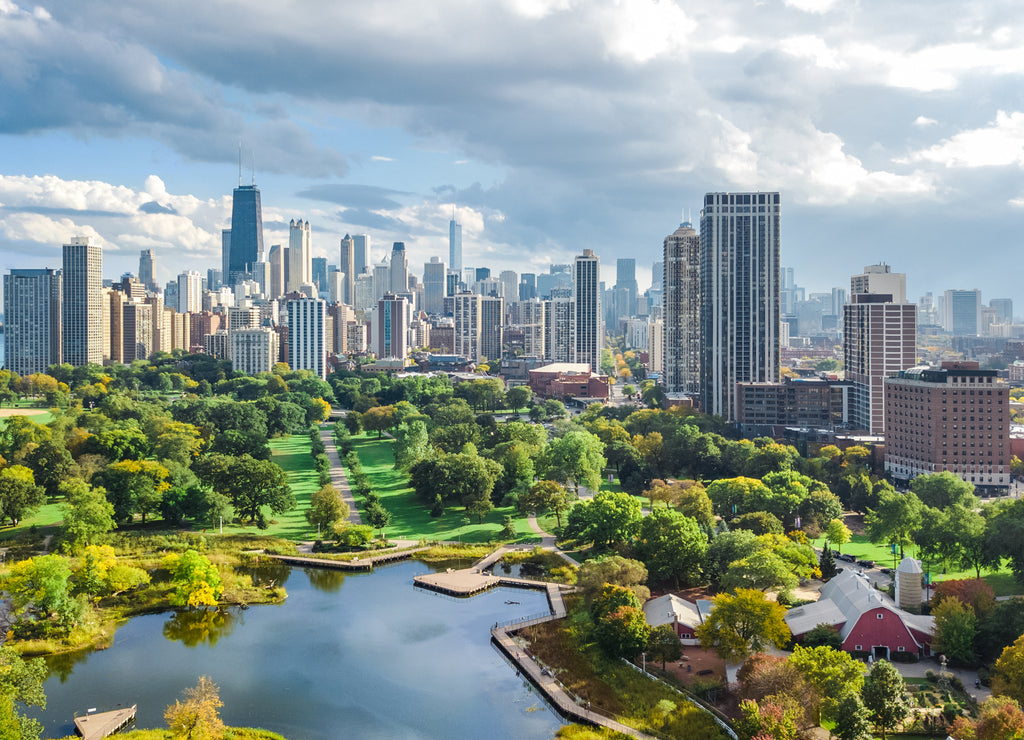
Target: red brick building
562, 379
955, 418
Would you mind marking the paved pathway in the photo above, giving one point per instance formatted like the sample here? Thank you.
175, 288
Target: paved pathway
338, 477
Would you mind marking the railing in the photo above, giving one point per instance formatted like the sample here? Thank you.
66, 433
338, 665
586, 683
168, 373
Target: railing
715, 713
520, 620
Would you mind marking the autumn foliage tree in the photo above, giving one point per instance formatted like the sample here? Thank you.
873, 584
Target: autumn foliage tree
198, 717
743, 623
196, 580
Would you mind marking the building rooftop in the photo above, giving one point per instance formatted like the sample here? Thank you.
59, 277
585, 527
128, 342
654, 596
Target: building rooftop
563, 367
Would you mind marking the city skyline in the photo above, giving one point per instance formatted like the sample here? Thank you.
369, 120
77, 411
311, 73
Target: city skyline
562, 128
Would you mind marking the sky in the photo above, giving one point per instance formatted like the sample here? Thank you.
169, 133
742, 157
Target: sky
894, 131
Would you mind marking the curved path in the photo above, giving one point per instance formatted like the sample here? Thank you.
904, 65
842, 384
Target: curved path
338, 478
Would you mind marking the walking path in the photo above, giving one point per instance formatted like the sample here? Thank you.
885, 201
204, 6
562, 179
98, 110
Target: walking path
338, 477
366, 563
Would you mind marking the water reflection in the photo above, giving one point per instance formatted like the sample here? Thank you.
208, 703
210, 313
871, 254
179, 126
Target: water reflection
266, 572
197, 627
325, 579
62, 664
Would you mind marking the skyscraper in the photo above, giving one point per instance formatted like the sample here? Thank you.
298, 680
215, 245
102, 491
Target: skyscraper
681, 311
300, 247
246, 239
492, 321
467, 326
146, 269
455, 245
348, 267
82, 313
962, 312
626, 289
509, 285
739, 239
434, 286
307, 335
361, 257
190, 292
319, 273
225, 259
32, 317
391, 327
880, 280
277, 262
399, 269
588, 334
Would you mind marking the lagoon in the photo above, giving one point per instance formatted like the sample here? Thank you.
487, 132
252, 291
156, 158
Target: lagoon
353, 655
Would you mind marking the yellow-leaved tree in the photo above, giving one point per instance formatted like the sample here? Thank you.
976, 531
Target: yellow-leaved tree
196, 580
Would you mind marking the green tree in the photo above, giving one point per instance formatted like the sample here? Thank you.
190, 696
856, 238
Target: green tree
198, 717
519, 397
1008, 672
942, 490
19, 494
608, 518
956, 628
546, 495
672, 546
134, 486
743, 623
411, 443
616, 570
761, 570
823, 635
326, 506
663, 644
724, 549
251, 484
895, 520
885, 696
622, 633
87, 513
775, 717
21, 685
51, 464
574, 459
196, 580
733, 496
838, 534
378, 517
853, 721
833, 674
40, 590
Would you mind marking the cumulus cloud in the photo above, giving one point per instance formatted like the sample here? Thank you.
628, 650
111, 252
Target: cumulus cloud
997, 145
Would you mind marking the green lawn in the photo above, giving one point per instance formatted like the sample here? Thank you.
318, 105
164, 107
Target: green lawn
1002, 582
410, 517
47, 517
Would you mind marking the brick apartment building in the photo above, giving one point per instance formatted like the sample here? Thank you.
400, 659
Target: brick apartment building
954, 418
562, 379
761, 408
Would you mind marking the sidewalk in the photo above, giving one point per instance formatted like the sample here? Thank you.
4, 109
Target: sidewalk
338, 478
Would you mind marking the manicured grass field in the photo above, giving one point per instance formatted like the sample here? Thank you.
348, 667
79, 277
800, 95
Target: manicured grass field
1002, 582
410, 517
46, 518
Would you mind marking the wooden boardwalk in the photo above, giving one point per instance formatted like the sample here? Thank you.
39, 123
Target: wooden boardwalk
104, 724
366, 563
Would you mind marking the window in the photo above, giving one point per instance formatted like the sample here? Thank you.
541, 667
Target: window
879, 616
900, 649
858, 647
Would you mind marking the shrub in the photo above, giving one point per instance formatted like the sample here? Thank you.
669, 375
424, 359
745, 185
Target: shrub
931, 677
903, 657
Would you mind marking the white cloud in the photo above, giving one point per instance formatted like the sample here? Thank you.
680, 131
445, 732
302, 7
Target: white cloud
997, 145
812, 6
640, 30
924, 121
380, 158
813, 48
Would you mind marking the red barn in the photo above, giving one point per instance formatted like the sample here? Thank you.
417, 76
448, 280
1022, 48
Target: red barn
867, 619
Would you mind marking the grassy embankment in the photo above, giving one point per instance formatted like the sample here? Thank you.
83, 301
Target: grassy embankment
410, 517
232, 733
1002, 581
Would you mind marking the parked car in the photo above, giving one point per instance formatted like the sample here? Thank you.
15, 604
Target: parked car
866, 563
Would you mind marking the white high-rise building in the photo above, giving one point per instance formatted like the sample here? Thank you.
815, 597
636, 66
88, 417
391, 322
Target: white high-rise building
32, 320
363, 300
82, 310
253, 350
681, 311
880, 280
455, 245
381, 280
276, 258
561, 320
336, 281
348, 268
468, 310
588, 327
740, 239
509, 285
300, 255
190, 292
434, 286
307, 335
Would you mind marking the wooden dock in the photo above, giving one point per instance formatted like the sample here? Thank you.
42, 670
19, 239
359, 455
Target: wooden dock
366, 563
104, 724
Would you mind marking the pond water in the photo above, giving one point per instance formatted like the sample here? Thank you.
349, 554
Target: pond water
346, 655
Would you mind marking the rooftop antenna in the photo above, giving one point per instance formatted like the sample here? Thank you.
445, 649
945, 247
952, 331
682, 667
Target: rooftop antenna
239, 164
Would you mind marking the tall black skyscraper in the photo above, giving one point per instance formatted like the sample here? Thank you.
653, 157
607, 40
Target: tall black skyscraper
246, 232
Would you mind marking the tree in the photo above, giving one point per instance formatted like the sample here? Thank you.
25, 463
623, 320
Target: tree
51, 464
196, 580
19, 494
40, 590
622, 633
575, 458
546, 495
775, 718
326, 506
726, 548
411, 443
134, 486
251, 485
198, 717
895, 520
837, 533
672, 546
885, 696
942, 490
827, 564
761, 570
999, 718
956, 628
743, 623
378, 517
732, 496
1008, 672
616, 570
519, 397
378, 419
87, 513
853, 721
758, 522
610, 517
663, 644
833, 674
21, 685
823, 635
